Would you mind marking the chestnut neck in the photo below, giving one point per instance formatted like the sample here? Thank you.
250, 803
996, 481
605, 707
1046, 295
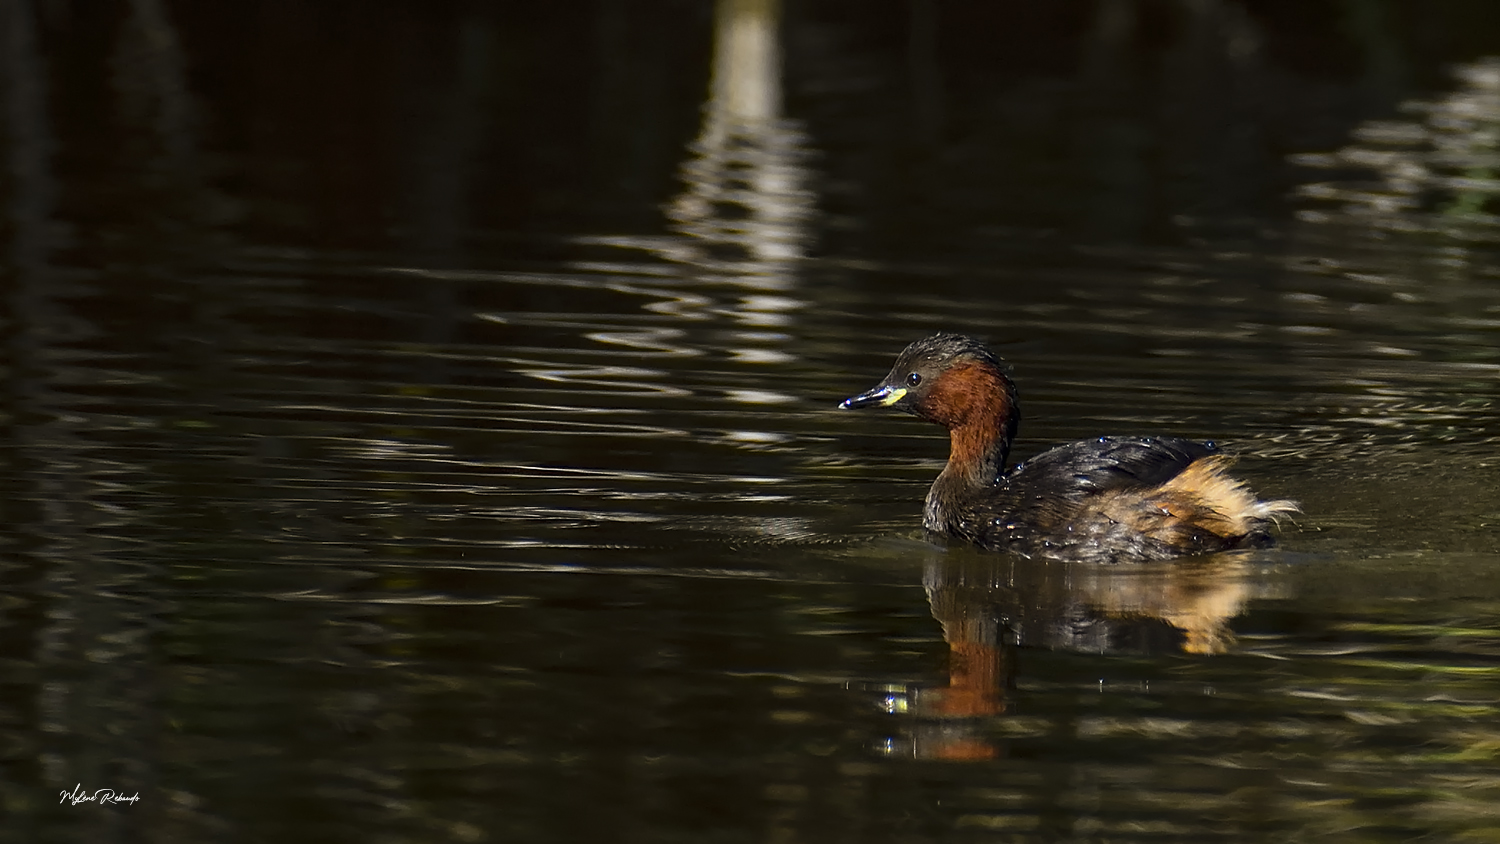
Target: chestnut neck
976, 402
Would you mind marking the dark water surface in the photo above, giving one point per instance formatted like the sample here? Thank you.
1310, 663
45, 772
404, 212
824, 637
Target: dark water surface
421, 425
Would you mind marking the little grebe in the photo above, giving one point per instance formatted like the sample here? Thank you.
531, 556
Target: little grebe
1107, 499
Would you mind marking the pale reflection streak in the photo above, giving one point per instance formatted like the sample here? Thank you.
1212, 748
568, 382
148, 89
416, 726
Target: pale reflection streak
631, 378
740, 227
758, 397
741, 222
739, 232
1436, 174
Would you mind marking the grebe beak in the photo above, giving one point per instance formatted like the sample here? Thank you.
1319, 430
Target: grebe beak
883, 396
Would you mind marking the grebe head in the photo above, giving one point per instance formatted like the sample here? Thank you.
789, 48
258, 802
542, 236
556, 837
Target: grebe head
950, 379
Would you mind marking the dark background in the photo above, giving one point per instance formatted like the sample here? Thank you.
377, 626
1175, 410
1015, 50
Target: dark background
393, 448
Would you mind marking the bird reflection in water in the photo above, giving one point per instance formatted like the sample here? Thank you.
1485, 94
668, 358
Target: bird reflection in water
993, 608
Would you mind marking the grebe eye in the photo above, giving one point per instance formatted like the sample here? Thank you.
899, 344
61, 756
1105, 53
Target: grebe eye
914, 379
